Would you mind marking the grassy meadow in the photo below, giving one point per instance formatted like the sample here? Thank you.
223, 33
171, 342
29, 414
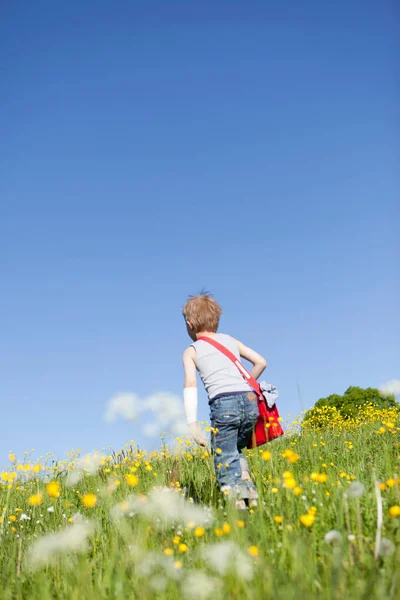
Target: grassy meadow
137, 525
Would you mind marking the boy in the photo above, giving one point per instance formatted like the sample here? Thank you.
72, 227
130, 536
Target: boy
233, 403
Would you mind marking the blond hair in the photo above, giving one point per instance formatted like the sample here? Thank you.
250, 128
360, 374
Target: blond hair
202, 312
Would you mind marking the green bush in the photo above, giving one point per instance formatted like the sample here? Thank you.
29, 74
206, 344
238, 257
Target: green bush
354, 397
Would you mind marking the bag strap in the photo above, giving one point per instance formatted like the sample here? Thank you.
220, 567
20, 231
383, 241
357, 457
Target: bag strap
243, 371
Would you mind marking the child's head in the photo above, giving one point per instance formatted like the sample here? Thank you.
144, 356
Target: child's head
202, 313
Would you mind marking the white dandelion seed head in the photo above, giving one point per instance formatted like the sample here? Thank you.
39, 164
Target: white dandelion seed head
355, 489
386, 547
89, 464
227, 556
199, 586
333, 537
71, 539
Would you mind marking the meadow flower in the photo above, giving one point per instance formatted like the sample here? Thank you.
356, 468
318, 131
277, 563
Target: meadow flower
24, 517
199, 531
73, 538
53, 489
278, 519
227, 556
168, 551
89, 464
89, 500
333, 537
131, 479
183, 548
253, 551
266, 455
386, 547
226, 528
355, 489
199, 586
168, 507
35, 499
394, 511
307, 520
50, 509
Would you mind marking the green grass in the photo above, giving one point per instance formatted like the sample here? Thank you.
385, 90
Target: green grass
125, 558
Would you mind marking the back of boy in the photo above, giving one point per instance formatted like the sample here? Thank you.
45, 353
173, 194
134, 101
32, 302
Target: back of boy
233, 403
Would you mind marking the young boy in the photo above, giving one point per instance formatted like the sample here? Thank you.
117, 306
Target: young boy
233, 403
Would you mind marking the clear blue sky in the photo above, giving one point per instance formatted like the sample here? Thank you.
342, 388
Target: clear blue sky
149, 150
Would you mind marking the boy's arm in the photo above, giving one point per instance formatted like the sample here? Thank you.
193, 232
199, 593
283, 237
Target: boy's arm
190, 395
259, 362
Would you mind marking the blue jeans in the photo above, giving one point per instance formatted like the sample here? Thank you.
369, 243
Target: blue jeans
235, 417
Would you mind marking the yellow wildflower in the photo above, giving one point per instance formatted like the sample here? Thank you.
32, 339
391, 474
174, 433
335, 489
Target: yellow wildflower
253, 551
53, 489
394, 511
199, 531
35, 500
307, 520
89, 500
131, 479
226, 528
266, 455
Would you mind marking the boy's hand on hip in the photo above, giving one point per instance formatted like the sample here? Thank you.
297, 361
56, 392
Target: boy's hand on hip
198, 434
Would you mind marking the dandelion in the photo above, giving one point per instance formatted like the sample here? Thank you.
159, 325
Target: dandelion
333, 537
199, 586
227, 556
89, 500
35, 500
394, 511
290, 483
307, 520
240, 524
168, 552
53, 489
183, 548
226, 528
386, 547
253, 551
72, 538
355, 489
219, 532
278, 519
131, 479
297, 490
199, 532
266, 455
11, 457
274, 490
177, 564
12, 518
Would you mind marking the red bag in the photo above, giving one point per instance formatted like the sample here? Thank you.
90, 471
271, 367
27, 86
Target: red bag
268, 425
